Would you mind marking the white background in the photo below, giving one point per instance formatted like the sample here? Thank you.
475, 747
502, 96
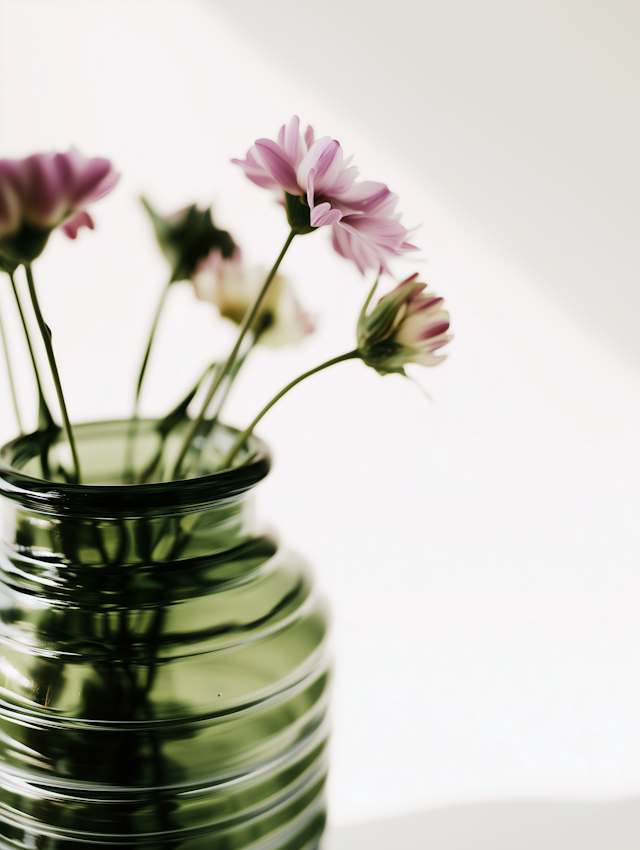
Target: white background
480, 553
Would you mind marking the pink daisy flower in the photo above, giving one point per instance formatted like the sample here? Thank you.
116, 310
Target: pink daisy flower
361, 215
45, 191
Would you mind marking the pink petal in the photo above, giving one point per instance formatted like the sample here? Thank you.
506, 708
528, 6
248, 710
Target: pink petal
45, 193
435, 329
369, 197
291, 142
95, 181
308, 137
71, 227
278, 166
325, 158
350, 246
255, 171
344, 180
323, 215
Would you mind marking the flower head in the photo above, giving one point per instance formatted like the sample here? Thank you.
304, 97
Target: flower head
187, 237
45, 191
407, 325
319, 190
233, 289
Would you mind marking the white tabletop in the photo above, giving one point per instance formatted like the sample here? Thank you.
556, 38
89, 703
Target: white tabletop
501, 826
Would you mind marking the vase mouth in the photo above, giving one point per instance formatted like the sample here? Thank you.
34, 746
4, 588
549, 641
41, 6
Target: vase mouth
124, 499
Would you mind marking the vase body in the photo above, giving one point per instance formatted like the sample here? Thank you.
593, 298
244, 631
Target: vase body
163, 671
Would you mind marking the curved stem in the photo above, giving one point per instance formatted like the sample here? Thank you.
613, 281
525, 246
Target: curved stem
351, 355
45, 413
46, 338
12, 385
226, 368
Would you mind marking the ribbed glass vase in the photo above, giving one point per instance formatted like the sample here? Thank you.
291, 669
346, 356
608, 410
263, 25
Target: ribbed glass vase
163, 671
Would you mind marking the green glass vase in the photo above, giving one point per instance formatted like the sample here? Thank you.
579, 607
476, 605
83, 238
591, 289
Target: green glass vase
163, 665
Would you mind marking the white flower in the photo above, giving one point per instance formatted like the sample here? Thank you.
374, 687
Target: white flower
232, 289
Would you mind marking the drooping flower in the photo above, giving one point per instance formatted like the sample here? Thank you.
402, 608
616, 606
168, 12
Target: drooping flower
319, 190
45, 191
232, 288
408, 325
187, 237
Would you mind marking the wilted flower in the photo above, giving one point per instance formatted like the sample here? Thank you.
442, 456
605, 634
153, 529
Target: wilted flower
45, 191
406, 326
319, 189
187, 237
233, 289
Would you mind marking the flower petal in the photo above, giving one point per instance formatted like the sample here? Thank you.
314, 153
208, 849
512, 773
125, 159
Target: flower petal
368, 197
291, 142
278, 166
71, 227
45, 193
323, 215
309, 136
255, 170
325, 158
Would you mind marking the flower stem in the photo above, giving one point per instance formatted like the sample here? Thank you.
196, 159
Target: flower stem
145, 359
212, 420
128, 473
242, 438
45, 417
226, 368
10, 374
46, 338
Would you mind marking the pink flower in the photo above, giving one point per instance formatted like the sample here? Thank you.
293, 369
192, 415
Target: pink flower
407, 325
233, 289
365, 228
45, 191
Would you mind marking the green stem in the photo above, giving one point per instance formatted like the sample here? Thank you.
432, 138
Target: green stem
212, 421
128, 473
242, 438
10, 374
45, 413
145, 359
46, 338
247, 321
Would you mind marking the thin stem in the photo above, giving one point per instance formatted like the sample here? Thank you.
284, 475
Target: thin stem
44, 407
242, 438
213, 419
226, 368
10, 374
128, 473
145, 359
46, 338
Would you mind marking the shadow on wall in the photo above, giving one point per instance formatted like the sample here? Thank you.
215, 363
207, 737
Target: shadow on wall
501, 826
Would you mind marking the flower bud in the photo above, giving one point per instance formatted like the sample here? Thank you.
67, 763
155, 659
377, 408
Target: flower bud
232, 289
406, 326
187, 237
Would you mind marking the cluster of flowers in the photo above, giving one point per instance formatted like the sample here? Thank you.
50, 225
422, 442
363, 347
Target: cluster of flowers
316, 186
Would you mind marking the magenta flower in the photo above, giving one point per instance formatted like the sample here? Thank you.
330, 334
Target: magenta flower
365, 228
45, 191
407, 325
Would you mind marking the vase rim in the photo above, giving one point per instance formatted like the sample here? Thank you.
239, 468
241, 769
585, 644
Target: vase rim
127, 499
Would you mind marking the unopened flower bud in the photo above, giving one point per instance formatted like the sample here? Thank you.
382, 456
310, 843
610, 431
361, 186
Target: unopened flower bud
406, 326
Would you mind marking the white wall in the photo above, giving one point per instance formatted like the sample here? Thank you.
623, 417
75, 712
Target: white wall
481, 553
